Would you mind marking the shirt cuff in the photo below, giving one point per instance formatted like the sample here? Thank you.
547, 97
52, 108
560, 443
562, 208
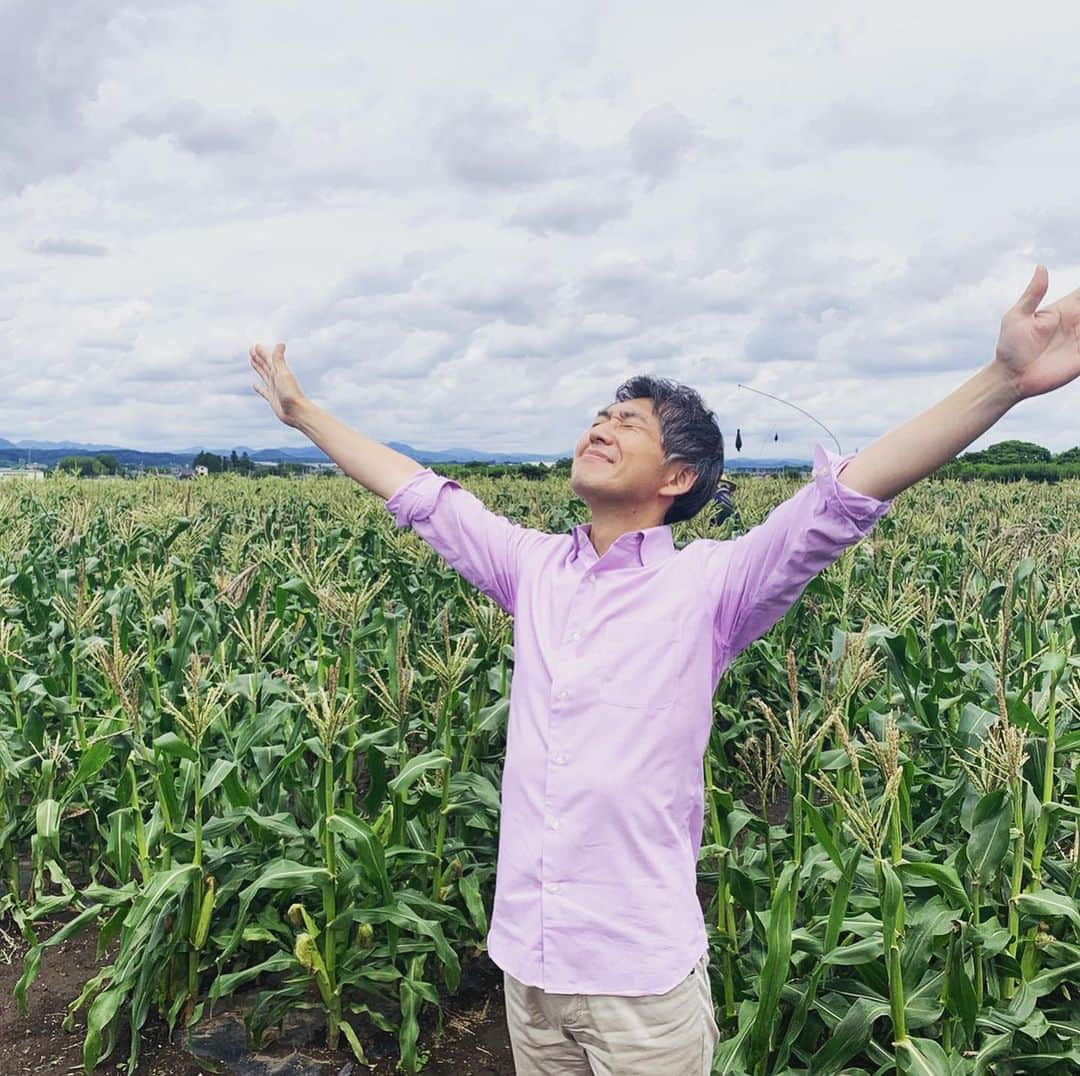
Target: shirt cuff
862, 510
416, 499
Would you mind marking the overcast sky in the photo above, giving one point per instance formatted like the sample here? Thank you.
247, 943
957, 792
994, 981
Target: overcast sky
470, 222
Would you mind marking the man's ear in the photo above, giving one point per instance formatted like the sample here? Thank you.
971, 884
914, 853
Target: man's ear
684, 479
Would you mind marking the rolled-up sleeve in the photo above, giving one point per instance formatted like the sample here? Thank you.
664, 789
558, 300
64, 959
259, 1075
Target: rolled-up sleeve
481, 546
760, 575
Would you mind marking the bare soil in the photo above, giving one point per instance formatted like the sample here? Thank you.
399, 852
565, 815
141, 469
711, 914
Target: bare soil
474, 1040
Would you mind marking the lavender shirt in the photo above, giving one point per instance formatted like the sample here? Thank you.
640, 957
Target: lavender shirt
616, 661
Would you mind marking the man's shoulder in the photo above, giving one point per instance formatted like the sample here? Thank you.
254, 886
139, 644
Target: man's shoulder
538, 541
703, 547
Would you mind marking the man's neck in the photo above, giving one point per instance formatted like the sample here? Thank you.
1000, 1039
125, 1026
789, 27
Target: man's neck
604, 530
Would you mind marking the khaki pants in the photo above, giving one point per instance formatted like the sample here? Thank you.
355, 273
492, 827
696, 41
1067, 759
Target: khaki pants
672, 1034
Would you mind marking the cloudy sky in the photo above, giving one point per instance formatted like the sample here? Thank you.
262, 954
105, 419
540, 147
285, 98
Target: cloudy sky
470, 222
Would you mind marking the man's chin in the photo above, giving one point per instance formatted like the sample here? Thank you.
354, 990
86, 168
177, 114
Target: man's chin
583, 489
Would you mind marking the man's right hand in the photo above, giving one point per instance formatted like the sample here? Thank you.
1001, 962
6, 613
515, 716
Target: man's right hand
280, 389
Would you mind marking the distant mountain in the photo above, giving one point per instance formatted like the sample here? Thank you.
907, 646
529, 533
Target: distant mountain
67, 446
748, 464
50, 452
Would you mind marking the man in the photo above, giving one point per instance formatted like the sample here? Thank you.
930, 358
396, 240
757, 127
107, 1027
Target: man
619, 641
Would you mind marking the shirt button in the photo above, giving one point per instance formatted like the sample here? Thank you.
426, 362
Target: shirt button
560, 760
564, 694
552, 887
554, 823
576, 636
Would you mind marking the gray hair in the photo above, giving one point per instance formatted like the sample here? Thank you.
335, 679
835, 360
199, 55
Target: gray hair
689, 431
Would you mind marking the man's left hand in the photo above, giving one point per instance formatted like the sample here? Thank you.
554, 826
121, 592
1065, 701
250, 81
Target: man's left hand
1039, 350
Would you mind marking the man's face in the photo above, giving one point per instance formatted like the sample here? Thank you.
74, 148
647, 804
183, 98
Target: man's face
618, 459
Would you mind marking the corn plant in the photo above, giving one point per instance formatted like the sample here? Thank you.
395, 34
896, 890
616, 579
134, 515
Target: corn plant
252, 734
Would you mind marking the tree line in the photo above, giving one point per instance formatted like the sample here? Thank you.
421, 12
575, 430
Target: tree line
1009, 461
216, 464
1005, 461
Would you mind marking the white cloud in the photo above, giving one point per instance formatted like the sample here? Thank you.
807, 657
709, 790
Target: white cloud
192, 127
74, 247
659, 140
581, 209
836, 209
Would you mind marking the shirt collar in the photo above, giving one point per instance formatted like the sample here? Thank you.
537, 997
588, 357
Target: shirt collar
650, 545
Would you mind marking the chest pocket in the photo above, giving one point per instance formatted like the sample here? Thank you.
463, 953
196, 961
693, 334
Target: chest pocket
637, 664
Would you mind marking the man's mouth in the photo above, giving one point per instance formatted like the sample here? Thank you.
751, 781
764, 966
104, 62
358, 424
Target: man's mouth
595, 455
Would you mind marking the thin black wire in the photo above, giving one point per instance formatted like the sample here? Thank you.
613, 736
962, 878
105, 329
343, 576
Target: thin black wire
801, 411
723, 504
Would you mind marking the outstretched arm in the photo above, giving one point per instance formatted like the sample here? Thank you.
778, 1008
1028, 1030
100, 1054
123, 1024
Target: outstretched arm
375, 466
480, 545
1038, 351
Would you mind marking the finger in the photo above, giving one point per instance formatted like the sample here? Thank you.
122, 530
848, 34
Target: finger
257, 367
262, 360
279, 353
1034, 293
1071, 302
259, 389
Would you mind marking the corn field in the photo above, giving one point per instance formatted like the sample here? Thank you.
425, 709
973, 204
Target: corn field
252, 734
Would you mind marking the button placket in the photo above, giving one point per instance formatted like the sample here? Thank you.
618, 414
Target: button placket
562, 695
553, 823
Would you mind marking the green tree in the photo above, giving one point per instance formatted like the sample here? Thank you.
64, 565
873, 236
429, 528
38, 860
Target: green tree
1009, 452
86, 466
213, 463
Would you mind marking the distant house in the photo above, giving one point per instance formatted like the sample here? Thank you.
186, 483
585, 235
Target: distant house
34, 473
